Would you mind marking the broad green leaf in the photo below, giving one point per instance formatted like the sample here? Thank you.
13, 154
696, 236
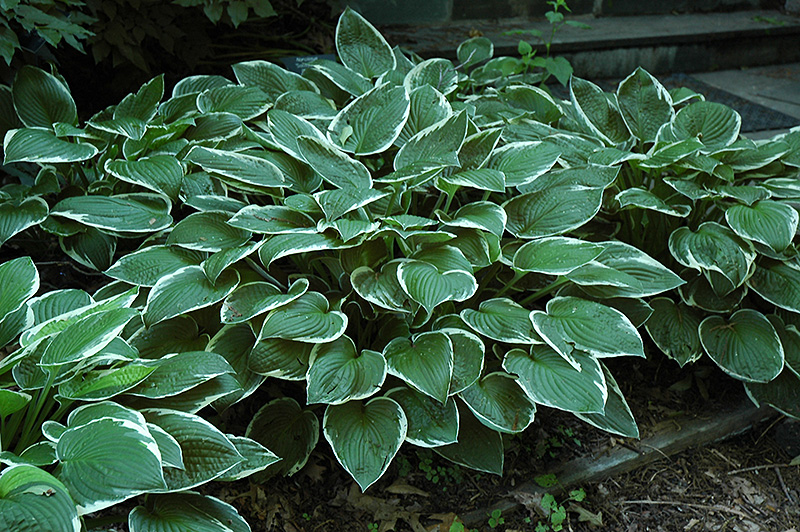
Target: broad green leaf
644, 199
339, 76
697, 292
713, 248
257, 458
38, 145
207, 453
272, 220
782, 187
437, 72
550, 380
602, 331
13, 324
107, 409
746, 346
19, 280
338, 373
372, 122
778, 283
306, 319
306, 104
430, 423
194, 399
214, 127
176, 335
16, 217
771, 223
142, 104
479, 178
476, 151
782, 393
272, 79
128, 213
279, 246
240, 167
428, 106
207, 231
98, 385
336, 167
790, 340
11, 402
244, 102
42, 454
523, 162
365, 437
597, 112
129, 127
185, 512
535, 100
41, 99
714, 124
234, 343
287, 430
177, 373
32, 500
159, 173
337, 203
122, 453
436, 145
86, 337
478, 446
215, 264
286, 128
758, 157
645, 104
502, 320
91, 248
747, 194
251, 299
146, 266
361, 47
424, 361
500, 403
428, 286
617, 418
185, 290
468, 352
674, 329
552, 211
555, 255
662, 156
483, 215
382, 289
474, 50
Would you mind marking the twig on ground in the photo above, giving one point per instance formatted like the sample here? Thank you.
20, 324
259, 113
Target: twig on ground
778, 420
783, 484
690, 505
758, 468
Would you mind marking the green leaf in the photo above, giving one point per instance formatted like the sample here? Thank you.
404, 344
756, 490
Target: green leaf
429, 286
11, 402
207, 231
697, 292
430, 423
41, 99
500, 403
382, 289
587, 326
92, 248
142, 104
468, 351
98, 385
480, 178
123, 453
523, 162
280, 246
437, 72
185, 512
502, 320
38, 145
778, 283
177, 373
662, 156
19, 280
552, 211
746, 346
428, 106
771, 223
251, 299
478, 446
555, 255
306, 319
674, 329
361, 47
644, 199
483, 215
272, 79
338, 373
272, 220
645, 104
32, 500
339, 76
214, 127
551, 381
713, 248
596, 112
714, 124
257, 458
372, 122
365, 437
244, 102
335, 167
214, 265
185, 290
306, 104
129, 213
16, 217
617, 418
15, 323
425, 362
242, 168
437, 145
782, 393
159, 173
535, 100
288, 431
474, 50
146, 266
287, 128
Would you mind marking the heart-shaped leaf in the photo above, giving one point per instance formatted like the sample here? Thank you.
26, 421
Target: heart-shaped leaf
41, 99
429, 286
645, 104
37, 145
555, 255
478, 446
185, 290
382, 289
147, 265
207, 231
500, 403
617, 417
34, 500
674, 329
185, 512
502, 320
128, 213
714, 124
424, 361
338, 373
361, 47
16, 217
771, 223
252, 299
159, 173
430, 423
306, 319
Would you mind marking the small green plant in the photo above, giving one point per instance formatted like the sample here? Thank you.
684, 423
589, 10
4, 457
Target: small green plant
556, 512
372, 527
496, 518
458, 526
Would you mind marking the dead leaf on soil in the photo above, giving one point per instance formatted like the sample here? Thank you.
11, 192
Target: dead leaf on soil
401, 488
447, 521
386, 511
584, 515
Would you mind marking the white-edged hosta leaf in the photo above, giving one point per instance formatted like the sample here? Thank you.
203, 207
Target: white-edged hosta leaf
428, 106
252, 299
502, 320
430, 423
552, 211
479, 178
437, 72
237, 166
478, 447
697, 292
14, 323
474, 50
645, 104
16, 217
782, 393
287, 430
436, 145
372, 122
424, 361
500, 403
534, 100
335, 166
428, 286
338, 373
365, 437
572, 322
175, 335
597, 112
306, 319
160, 173
382, 289
39, 145
91, 248
207, 452
272, 79
12, 401
171, 455
468, 353
338, 75
746, 346
215, 264
483, 215
555, 255
286, 128
644, 199
272, 220
234, 343
242, 101
257, 458
192, 400
361, 47
714, 124
41, 99
771, 223
177, 373
715, 248
790, 340
747, 194
146, 266
550, 380
778, 283
129, 213
34, 500
279, 246
617, 417
475, 153
662, 156
19, 280
673, 328
86, 337
185, 512
207, 231
101, 384
337, 203
523, 162
185, 290
306, 104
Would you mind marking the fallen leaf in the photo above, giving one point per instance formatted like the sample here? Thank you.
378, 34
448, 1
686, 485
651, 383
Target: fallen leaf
584, 515
401, 488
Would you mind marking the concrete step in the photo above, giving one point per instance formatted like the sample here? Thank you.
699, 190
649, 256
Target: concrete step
615, 46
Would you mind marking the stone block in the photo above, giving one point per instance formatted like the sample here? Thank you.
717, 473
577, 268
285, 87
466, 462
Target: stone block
494, 9
381, 12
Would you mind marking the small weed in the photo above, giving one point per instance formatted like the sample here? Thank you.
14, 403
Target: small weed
496, 518
556, 511
458, 526
372, 527
306, 516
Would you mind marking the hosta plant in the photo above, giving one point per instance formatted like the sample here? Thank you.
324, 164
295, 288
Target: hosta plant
417, 254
